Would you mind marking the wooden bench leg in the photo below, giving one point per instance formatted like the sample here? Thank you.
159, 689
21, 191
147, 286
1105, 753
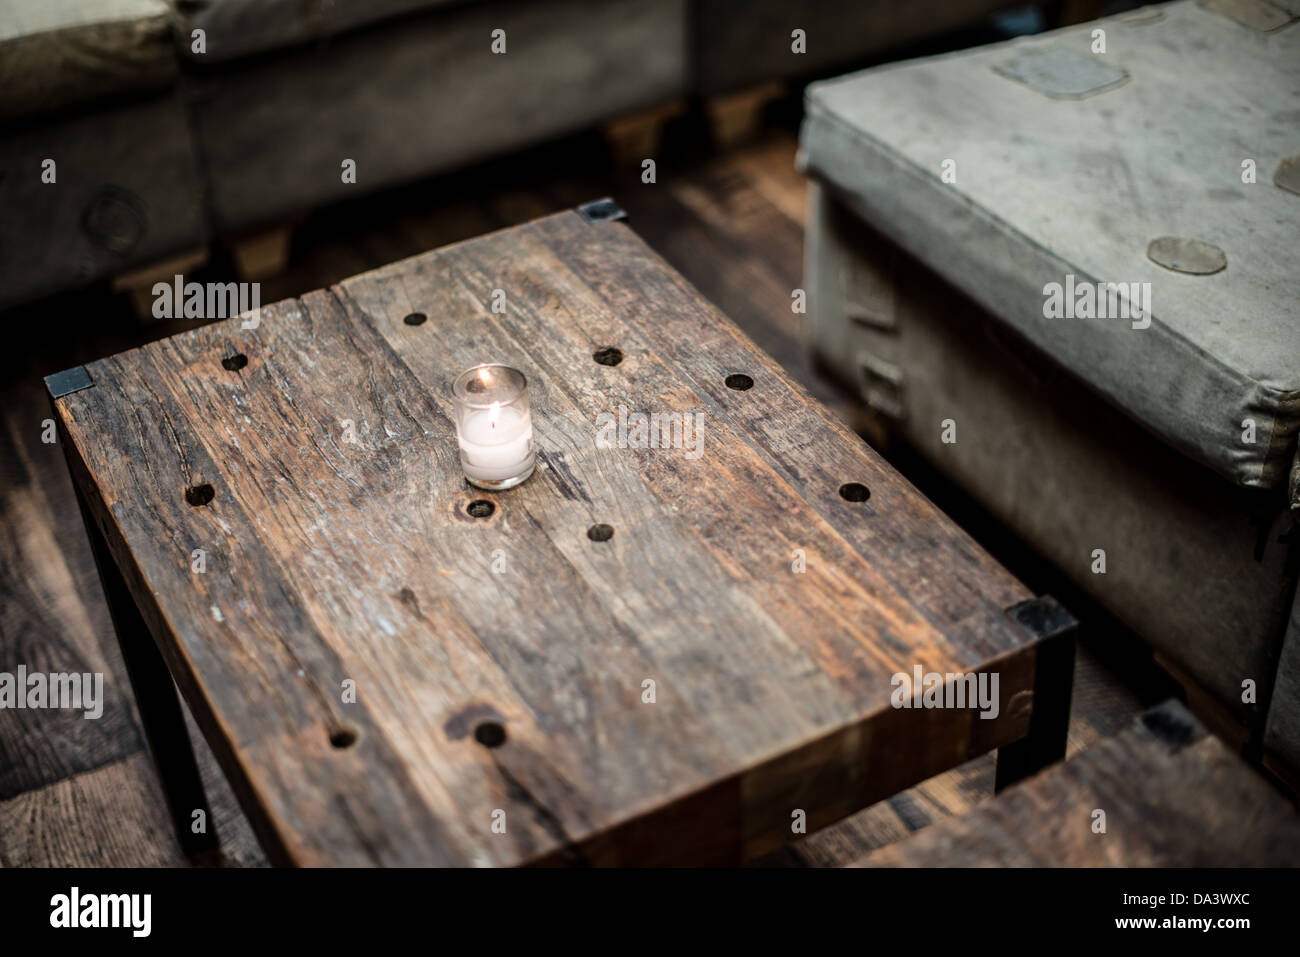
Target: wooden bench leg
139, 283
737, 118
636, 136
262, 255
1066, 13
1049, 722
156, 699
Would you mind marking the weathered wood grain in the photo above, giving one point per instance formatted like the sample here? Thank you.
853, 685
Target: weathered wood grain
1173, 796
331, 560
88, 818
52, 614
45, 625
746, 206
107, 815
1100, 707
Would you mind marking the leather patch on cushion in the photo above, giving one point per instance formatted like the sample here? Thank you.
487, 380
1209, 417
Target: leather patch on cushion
1255, 14
1288, 174
1061, 73
1190, 256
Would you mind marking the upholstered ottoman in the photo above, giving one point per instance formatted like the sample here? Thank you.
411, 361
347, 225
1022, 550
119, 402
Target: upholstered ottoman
405, 89
98, 173
740, 43
1064, 269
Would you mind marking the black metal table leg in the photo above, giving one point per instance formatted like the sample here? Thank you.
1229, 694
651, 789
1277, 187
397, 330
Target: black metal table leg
156, 699
1049, 722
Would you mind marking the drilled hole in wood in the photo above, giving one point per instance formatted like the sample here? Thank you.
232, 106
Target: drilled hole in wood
235, 362
343, 738
854, 492
608, 356
739, 381
600, 533
415, 319
198, 495
480, 508
490, 734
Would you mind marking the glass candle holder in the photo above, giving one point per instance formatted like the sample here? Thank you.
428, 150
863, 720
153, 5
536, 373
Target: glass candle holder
494, 426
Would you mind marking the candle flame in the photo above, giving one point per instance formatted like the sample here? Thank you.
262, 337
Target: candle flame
493, 413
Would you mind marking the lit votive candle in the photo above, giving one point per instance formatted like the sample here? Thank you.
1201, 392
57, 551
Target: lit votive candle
494, 426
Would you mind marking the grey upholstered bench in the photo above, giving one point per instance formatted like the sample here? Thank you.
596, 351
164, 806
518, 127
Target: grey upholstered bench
408, 88
98, 171
1064, 268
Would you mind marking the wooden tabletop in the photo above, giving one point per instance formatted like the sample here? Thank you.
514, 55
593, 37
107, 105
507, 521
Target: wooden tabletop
502, 664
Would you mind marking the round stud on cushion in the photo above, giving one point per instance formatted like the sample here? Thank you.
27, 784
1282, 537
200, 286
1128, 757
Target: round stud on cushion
1189, 256
1288, 174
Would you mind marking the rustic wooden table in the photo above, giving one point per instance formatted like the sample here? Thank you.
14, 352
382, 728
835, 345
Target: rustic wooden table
390, 676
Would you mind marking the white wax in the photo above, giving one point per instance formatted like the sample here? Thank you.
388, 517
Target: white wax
496, 444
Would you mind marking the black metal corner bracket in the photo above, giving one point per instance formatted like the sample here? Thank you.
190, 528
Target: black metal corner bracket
68, 381
601, 211
1042, 617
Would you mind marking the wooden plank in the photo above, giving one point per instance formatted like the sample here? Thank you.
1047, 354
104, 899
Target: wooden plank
138, 283
769, 169
87, 819
112, 815
743, 254
50, 609
637, 136
1100, 706
331, 560
261, 255
736, 118
948, 575
52, 617
1173, 796
733, 227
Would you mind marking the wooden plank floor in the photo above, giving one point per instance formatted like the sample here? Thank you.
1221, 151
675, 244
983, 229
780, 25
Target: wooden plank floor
732, 224
1173, 796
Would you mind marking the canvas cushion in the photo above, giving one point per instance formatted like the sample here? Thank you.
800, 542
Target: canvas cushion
129, 193
1282, 733
740, 43
236, 28
426, 98
1070, 162
59, 55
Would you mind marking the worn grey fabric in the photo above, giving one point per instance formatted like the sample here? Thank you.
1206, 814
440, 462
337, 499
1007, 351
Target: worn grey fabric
741, 43
1197, 566
128, 193
59, 55
1053, 180
1282, 733
237, 28
428, 97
